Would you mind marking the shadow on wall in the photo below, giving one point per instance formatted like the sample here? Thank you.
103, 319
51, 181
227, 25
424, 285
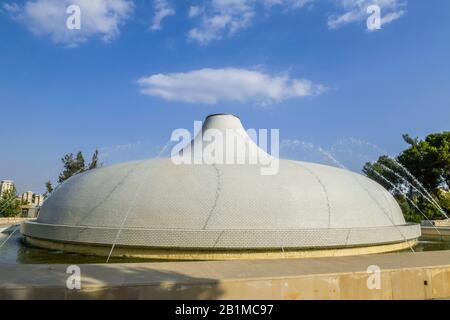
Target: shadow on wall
112, 281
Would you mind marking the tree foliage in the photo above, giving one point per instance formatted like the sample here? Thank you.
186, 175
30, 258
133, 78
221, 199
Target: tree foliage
48, 188
73, 165
94, 160
429, 162
9, 204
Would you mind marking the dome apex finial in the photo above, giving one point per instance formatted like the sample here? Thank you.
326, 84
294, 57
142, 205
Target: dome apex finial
221, 114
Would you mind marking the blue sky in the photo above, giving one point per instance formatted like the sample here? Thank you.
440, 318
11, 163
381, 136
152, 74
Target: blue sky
308, 67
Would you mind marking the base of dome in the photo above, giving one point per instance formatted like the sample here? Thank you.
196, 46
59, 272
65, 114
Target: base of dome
225, 239
201, 254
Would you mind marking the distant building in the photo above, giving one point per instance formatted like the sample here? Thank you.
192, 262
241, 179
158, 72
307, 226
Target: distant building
31, 203
38, 199
6, 185
27, 197
31, 198
29, 211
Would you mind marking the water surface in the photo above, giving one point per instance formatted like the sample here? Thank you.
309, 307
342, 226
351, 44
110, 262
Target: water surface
14, 251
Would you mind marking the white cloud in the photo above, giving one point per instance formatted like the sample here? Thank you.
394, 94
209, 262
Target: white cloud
287, 3
226, 17
98, 18
389, 17
11, 7
162, 10
212, 19
355, 11
210, 86
220, 18
195, 11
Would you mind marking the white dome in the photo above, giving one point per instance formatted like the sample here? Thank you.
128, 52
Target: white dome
156, 203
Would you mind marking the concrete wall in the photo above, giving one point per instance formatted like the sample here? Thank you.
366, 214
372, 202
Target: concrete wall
11, 220
424, 275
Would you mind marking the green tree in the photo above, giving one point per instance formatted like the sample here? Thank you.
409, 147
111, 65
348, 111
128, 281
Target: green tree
94, 160
444, 200
440, 144
79, 161
9, 204
425, 159
49, 186
49, 189
74, 165
71, 165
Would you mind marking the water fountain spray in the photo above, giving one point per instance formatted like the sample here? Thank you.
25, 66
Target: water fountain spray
406, 197
415, 180
410, 184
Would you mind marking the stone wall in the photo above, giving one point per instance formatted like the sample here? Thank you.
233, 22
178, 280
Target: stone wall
420, 275
12, 220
